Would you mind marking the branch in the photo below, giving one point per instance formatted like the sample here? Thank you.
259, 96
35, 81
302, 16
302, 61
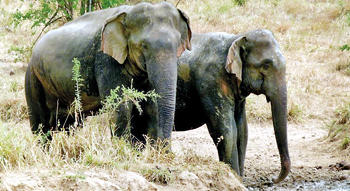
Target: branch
177, 3
51, 20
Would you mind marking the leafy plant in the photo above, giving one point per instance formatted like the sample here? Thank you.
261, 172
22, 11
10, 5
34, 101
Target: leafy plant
23, 53
77, 105
47, 12
75, 177
240, 2
340, 128
158, 175
123, 95
344, 47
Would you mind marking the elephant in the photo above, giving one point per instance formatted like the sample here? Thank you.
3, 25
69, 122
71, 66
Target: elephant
115, 46
214, 80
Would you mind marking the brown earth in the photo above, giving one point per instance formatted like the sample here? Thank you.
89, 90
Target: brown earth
310, 156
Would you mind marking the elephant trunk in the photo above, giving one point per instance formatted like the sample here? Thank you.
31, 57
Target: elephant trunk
163, 76
279, 115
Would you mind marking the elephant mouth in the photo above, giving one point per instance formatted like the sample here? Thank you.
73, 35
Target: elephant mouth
268, 99
247, 88
246, 91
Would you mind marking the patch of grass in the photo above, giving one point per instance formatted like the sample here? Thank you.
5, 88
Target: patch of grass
294, 112
258, 109
74, 177
342, 64
13, 109
22, 53
158, 175
344, 47
240, 2
339, 129
18, 147
13, 106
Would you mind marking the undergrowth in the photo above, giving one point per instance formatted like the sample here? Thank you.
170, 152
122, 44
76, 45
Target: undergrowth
339, 129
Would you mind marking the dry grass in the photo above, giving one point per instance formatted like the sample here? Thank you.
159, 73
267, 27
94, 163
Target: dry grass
309, 32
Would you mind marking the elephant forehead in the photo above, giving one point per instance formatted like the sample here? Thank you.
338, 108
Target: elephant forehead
145, 13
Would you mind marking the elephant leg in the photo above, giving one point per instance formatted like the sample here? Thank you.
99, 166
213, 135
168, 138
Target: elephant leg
122, 120
242, 135
109, 74
223, 131
146, 123
152, 118
39, 114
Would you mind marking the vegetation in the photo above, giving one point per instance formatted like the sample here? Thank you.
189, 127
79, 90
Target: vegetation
314, 40
46, 12
340, 127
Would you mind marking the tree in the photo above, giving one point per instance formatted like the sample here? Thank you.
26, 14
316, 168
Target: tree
46, 12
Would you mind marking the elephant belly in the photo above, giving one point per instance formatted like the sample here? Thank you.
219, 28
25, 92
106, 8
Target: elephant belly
90, 103
188, 117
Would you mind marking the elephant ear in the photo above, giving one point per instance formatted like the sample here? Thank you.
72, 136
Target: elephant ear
186, 34
113, 38
234, 60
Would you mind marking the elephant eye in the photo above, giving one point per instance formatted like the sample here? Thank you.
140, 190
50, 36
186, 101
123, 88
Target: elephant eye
266, 64
144, 46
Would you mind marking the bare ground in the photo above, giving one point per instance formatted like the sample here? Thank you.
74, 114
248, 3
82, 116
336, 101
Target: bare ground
310, 157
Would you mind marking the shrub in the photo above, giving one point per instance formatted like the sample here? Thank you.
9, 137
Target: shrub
340, 127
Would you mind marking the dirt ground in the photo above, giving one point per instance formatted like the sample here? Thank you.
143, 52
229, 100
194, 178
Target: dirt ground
310, 157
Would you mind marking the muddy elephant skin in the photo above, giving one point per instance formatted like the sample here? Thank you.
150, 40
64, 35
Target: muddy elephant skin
115, 46
214, 80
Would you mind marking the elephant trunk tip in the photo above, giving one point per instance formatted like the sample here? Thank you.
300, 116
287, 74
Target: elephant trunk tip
286, 166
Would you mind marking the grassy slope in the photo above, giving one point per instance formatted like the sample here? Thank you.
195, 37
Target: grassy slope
309, 33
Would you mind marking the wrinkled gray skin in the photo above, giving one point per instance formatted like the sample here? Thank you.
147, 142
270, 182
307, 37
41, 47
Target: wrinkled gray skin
141, 42
214, 80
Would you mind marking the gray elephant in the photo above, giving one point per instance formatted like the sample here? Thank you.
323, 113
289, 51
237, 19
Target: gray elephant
214, 80
115, 46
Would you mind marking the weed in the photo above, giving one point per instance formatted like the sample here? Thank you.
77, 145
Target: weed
77, 106
345, 143
123, 95
158, 175
23, 53
294, 112
240, 2
74, 177
344, 47
340, 128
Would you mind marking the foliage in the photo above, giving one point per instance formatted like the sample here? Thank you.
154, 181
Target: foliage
340, 128
77, 105
158, 175
23, 53
47, 12
14, 146
240, 2
344, 47
123, 95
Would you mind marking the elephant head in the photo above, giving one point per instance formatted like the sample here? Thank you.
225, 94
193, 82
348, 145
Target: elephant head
256, 60
150, 38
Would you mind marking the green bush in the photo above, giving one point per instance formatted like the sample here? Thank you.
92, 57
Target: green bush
46, 12
344, 47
